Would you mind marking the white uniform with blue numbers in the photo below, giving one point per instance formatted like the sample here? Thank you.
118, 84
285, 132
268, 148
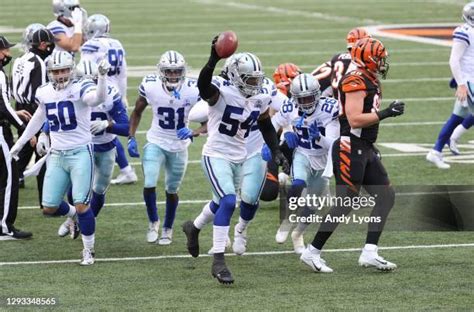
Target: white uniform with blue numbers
255, 168
104, 142
229, 126
170, 113
311, 156
70, 161
58, 28
104, 47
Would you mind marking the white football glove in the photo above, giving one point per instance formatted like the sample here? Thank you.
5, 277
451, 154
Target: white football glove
43, 144
15, 150
98, 126
77, 17
103, 67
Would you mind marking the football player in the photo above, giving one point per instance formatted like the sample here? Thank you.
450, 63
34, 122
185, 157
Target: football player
314, 128
108, 120
171, 95
254, 168
235, 106
101, 45
330, 73
66, 104
68, 26
461, 62
356, 162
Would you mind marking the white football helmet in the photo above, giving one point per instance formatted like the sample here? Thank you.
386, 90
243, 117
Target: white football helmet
86, 69
60, 68
468, 13
246, 73
28, 35
305, 90
64, 7
172, 69
98, 25
225, 69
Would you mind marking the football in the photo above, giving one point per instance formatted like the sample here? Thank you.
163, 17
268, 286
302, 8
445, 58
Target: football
226, 44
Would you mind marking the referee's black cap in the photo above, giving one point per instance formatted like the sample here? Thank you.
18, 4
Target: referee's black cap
4, 43
42, 35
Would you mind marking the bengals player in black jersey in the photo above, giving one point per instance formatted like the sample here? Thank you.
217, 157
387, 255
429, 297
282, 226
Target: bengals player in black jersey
356, 162
330, 73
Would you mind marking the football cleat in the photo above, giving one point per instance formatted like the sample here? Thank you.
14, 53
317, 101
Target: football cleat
166, 236
88, 257
125, 178
312, 257
192, 236
283, 232
436, 158
152, 233
64, 228
370, 258
298, 242
228, 244
240, 241
221, 272
453, 147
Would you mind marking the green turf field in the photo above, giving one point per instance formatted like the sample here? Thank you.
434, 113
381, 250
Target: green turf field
304, 32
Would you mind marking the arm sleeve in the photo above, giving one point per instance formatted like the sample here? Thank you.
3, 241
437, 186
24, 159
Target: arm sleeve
457, 51
120, 118
6, 111
35, 124
206, 88
269, 134
94, 96
332, 133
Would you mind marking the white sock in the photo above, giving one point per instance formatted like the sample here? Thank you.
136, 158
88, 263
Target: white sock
206, 216
126, 170
314, 250
242, 225
88, 241
72, 211
370, 247
219, 238
458, 132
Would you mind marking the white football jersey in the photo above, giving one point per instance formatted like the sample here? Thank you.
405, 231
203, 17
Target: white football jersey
57, 28
255, 140
111, 49
465, 34
68, 116
326, 117
102, 112
231, 120
170, 111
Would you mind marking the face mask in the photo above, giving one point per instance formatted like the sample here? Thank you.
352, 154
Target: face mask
6, 60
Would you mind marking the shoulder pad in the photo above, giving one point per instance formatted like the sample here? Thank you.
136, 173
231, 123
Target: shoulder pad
353, 82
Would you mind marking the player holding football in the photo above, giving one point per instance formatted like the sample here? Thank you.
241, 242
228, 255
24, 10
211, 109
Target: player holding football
356, 162
171, 96
314, 128
235, 106
461, 62
66, 105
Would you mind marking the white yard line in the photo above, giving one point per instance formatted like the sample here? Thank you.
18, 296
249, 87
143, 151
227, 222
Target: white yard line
248, 254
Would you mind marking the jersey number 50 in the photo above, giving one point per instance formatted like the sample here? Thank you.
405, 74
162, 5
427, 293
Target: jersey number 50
61, 115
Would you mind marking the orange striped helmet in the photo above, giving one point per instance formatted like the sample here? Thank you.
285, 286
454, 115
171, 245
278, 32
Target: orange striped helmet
283, 76
354, 35
372, 55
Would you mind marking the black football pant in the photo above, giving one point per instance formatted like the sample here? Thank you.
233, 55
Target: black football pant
8, 188
356, 164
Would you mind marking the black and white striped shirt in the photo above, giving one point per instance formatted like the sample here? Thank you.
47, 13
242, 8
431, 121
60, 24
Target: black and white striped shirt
7, 113
28, 73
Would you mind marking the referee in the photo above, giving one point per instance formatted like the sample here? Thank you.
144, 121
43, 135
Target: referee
8, 168
29, 73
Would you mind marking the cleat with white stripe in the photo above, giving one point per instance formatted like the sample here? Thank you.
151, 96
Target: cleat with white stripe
436, 158
88, 257
312, 257
370, 258
152, 233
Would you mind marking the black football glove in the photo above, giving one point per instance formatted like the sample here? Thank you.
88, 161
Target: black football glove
214, 57
396, 108
281, 161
